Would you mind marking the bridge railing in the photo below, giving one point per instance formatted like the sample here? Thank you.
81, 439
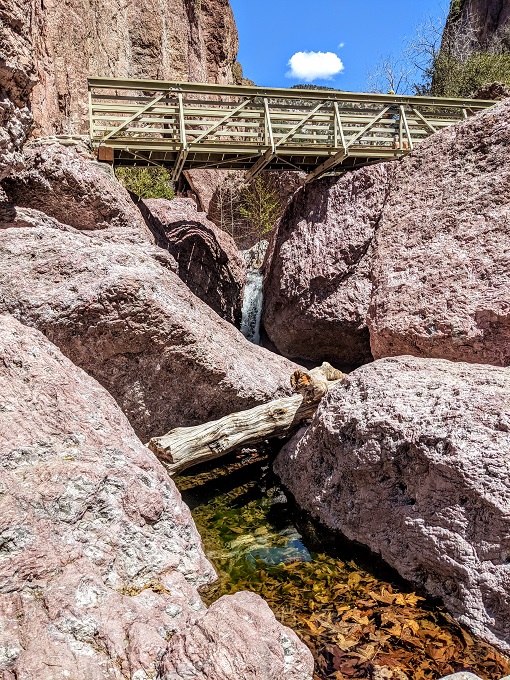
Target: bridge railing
189, 125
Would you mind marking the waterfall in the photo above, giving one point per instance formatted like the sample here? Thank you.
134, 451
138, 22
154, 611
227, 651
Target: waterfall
253, 295
252, 306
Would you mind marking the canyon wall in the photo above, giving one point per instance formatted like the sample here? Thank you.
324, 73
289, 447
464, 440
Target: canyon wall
182, 40
476, 24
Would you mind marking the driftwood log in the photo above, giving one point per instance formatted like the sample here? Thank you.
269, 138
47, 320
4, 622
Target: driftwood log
184, 447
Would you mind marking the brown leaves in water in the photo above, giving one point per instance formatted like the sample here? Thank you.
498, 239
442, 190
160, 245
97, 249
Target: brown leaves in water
358, 627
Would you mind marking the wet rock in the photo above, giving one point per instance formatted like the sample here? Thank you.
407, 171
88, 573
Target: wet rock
263, 648
75, 190
411, 457
317, 287
441, 269
120, 312
209, 262
101, 560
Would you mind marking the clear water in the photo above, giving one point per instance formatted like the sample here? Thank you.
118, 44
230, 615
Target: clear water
359, 620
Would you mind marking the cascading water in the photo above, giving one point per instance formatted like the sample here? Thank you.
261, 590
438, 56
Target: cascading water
253, 294
252, 306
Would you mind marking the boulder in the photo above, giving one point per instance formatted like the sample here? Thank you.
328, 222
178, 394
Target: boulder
317, 286
210, 263
101, 560
73, 189
411, 457
121, 313
441, 269
232, 620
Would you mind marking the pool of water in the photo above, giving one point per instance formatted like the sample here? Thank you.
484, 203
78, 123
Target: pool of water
358, 618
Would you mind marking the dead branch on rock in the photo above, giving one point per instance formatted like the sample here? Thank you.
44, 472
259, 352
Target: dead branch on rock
184, 447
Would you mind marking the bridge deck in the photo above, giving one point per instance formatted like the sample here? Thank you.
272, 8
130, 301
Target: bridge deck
189, 125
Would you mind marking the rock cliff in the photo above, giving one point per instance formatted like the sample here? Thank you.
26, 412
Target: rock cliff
412, 458
477, 24
190, 40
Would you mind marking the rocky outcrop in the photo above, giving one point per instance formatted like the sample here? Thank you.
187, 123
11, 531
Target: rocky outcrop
101, 560
411, 457
477, 25
16, 82
180, 40
441, 270
17, 69
317, 286
208, 260
120, 312
416, 251
67, 185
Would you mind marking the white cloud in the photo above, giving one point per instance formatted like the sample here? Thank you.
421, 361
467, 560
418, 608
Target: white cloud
341, 45
310, 66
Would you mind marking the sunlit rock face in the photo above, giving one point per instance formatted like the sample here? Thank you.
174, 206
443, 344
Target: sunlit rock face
209, 261
101, 560
478, 25
318, 282
404, 258
411, 457
120, 312
68, 186
182, 40
16, 81
441, 268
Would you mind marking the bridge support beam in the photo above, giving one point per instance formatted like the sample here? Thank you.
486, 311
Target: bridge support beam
262, 162
327, 166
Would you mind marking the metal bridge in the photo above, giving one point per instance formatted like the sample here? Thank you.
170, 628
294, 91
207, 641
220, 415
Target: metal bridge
184, 126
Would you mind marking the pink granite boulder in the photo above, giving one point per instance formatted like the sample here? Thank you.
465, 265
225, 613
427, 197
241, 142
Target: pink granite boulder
441, 270
317, 285
101, 560
121, 313
208, 259
411, 457
66, 184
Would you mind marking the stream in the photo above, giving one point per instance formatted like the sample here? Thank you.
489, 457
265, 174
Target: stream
358, 617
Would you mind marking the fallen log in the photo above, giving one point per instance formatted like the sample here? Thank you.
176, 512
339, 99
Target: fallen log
184, 447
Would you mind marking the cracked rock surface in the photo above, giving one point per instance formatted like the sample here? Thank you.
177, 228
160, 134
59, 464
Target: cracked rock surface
100, 559
411, 457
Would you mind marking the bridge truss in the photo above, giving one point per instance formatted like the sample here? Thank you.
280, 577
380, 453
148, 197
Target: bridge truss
184, 126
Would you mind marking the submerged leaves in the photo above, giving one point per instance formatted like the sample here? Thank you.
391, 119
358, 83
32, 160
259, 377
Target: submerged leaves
356, 625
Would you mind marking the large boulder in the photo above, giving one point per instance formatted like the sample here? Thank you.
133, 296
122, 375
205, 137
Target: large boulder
210, 263
411, 457
441, 270
120, 312
101, 560
72, 188
317, 287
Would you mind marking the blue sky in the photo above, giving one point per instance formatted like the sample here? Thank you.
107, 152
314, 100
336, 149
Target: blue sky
358, 32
